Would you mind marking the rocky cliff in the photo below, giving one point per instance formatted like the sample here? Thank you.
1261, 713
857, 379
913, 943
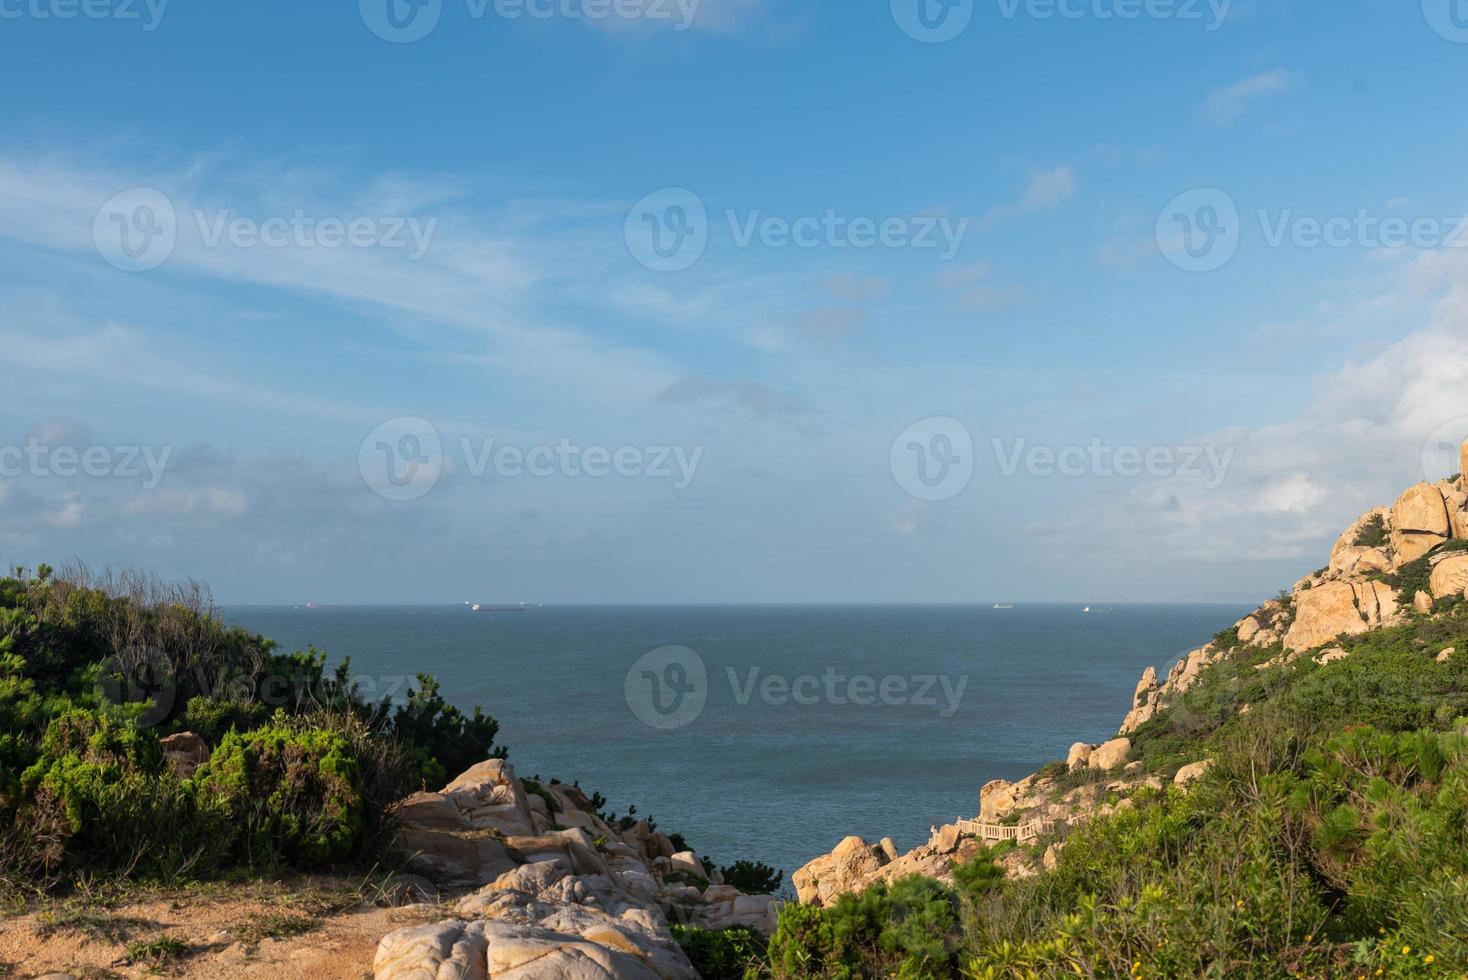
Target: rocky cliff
1390, 563
548, 888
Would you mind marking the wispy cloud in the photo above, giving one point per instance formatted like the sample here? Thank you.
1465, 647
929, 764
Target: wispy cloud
1225, 106
1046, 191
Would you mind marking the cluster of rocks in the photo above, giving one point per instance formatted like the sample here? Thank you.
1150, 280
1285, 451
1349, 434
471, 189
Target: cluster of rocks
1344, 599
553, 889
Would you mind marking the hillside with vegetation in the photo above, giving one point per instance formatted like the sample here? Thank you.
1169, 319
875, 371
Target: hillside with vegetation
1289, 799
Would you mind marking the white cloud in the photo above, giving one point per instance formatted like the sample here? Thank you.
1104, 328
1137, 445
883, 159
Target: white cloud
1225, 106
1046, 191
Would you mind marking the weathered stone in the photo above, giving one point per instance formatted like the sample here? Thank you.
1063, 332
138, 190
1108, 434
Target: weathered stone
1080, 754
1422, 602
440, 951
1449, 576
184, 752
1332, 655
1191, 772
1419, 523
491, 798
1110, 755
843, 870
1446, 655
1324, 613
996, 799
1248, 628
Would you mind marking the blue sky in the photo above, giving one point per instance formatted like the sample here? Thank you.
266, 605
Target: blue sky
1063, 309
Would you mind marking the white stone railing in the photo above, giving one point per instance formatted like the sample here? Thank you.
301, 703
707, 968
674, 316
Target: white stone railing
1019, 833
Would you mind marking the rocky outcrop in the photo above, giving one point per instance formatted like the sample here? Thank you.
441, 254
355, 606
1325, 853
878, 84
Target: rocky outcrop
1419, 523
845, 869
1110, 755
557, 891
1449, 576
1339, 609
184, 753
1192, 772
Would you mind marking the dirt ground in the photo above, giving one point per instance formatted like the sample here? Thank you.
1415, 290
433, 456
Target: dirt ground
317, 928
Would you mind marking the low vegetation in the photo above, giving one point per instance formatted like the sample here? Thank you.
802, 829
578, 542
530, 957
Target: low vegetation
1327, 840
94, 670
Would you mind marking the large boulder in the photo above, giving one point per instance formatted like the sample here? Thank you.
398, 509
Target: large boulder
844, 870
184, 753
1080, 754
1346, 552
1191, 772
491, 798
1340, 609
1419, 522
1449, 576
443, 949
997, 798
1110, 755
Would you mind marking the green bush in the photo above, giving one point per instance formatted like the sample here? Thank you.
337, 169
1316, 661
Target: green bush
908, 929
752, 877
730, 954
293, 795
100, 782
94, 668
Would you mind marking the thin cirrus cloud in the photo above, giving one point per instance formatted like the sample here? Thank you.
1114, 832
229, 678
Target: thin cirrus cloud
1229, 104
1046, 191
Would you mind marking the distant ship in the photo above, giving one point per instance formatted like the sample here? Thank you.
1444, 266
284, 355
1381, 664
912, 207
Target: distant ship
485, 607
1087, 609
1003, 605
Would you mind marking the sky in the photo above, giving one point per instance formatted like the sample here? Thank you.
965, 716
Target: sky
725, 301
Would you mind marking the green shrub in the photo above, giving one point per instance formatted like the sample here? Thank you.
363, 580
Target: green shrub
1373, 533
730, 954
293, 795
752, 877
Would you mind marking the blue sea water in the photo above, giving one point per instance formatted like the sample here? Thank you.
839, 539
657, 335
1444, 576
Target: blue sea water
760, 773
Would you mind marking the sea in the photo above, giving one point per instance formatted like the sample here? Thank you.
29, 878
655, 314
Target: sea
770, 733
